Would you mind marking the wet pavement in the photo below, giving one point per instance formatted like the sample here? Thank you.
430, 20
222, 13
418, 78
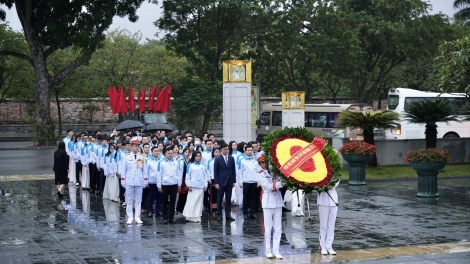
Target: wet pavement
382, 222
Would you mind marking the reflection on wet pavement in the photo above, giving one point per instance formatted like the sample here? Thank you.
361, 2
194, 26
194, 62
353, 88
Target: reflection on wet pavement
36, 227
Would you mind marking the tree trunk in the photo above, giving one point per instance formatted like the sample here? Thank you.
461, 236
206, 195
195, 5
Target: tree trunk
369, 138
58, 113
431, 136
44, 125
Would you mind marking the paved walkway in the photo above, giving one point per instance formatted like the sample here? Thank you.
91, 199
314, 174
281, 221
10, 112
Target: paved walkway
382, 222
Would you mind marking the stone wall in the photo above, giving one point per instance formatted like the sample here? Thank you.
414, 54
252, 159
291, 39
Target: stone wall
393, 152
14, 112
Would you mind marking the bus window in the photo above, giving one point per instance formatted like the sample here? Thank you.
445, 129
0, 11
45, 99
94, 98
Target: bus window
392, 102
277, 118
264, 118
332, 119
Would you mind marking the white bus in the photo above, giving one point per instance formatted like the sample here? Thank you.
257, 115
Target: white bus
398, 98
320, 119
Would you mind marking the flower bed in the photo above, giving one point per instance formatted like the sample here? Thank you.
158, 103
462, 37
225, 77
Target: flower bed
428, 155
358, 148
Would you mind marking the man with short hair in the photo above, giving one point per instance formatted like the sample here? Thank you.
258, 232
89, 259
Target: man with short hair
169, 180
101, 152
67, 139
207, 153
248, 169
211, 137
224, 180
133, 180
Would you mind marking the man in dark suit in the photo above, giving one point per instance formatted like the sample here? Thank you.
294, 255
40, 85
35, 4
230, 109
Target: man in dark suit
224, 180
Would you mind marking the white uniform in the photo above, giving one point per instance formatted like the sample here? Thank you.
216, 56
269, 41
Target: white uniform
327, 210
132, 178
272, 209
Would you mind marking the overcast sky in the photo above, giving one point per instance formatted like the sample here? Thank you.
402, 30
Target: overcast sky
149, 13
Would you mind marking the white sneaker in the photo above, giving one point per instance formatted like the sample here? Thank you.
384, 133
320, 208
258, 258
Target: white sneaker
269, 255
124, 204
331, 251
76, 184
129, 221
278, 256
324, 251
138, 221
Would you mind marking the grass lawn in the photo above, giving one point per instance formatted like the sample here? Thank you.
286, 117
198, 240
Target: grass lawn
405, 171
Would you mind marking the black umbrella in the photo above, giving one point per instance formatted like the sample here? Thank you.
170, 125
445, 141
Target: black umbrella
129, 124
158, 126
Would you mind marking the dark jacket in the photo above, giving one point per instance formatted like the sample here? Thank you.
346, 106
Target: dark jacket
224, 175
61, 161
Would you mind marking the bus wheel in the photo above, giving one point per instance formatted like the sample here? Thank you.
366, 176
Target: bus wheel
451, 135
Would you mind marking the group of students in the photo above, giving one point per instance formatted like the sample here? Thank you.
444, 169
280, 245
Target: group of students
183, 174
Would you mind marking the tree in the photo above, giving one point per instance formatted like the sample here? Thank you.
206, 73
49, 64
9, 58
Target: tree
204, 32
91, 109
368, 121
391, 33
195, 109
15, 74
454, 66
52, 25
430, 112
464, 12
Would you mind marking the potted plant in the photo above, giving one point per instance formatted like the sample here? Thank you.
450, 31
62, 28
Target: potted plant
357, 154
427, 163
367, 121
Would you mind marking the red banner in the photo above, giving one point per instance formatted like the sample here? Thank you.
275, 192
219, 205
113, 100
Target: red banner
131, 99
122, 101
113, 99
163, 99
302, 155
141, 100
151, 106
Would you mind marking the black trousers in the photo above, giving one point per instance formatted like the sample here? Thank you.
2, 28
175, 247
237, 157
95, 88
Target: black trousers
102, 180
93, 176
250, 198
78, 170
122, 190
169, 209
227, 190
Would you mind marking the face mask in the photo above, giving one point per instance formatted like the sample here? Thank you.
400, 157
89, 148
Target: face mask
197, 143
88, 143
184, 144
180, 151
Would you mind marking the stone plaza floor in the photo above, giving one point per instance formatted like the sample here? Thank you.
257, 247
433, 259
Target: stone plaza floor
382, 222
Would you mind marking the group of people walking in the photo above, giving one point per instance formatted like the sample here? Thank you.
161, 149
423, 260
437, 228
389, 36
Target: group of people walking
159, 175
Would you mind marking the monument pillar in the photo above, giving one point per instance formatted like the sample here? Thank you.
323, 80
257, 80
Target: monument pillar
237, 101
293, 109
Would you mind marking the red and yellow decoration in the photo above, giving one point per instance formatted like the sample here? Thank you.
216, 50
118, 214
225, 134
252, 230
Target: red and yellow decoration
305, 162
301, 161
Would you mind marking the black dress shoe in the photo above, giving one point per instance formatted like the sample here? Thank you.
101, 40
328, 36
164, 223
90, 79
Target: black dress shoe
245, 217
253, 216
172, 221
260, 209
159, 214
60, 195
165, 222
230, 218
285, 209
219, 218
150, 214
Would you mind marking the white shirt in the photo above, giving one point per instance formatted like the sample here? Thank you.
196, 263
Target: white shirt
248, 168
324, 199
168, 173
133, 170
151, 170
206, 155
196, 175
272, 198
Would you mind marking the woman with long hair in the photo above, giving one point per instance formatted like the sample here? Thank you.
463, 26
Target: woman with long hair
61, 166
196, 181
111, 187
183, 193
210, 172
